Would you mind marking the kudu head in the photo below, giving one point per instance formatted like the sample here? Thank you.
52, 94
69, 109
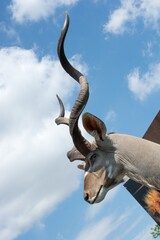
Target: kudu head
101, 172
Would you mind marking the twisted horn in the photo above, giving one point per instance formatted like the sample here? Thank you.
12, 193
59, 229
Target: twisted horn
81, 144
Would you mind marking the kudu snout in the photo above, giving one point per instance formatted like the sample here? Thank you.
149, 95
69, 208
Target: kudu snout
94, 185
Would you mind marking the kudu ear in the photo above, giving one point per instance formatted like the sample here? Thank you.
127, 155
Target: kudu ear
94, 126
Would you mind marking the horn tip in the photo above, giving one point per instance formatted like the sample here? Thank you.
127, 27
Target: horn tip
66, 22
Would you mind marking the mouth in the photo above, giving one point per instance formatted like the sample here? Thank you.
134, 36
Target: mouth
102, 192
99, 196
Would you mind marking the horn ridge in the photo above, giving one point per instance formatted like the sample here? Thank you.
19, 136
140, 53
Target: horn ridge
81, 144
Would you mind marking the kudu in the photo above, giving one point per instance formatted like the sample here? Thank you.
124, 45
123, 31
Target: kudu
111, 156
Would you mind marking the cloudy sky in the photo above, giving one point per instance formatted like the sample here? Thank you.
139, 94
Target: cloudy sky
116, 44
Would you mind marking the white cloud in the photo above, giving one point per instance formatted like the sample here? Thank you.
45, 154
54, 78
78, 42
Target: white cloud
150, 12
130, 11
60, 237
119, 223
148, 51
118, 19
9, 31
34, 10
145, 233
111, 116
141, 85
103, 228
130, 228
33, 162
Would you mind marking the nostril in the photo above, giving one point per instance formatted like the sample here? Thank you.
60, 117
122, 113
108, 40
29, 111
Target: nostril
86, 196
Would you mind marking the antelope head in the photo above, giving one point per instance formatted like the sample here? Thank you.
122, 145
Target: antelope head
101, 171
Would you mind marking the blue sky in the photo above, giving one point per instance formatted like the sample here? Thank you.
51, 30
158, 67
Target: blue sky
116, 44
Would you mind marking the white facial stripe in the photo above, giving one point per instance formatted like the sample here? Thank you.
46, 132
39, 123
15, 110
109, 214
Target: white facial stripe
110, 171
85, 174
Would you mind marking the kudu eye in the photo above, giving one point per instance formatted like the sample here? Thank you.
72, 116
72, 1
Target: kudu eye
90, 161
93, 158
